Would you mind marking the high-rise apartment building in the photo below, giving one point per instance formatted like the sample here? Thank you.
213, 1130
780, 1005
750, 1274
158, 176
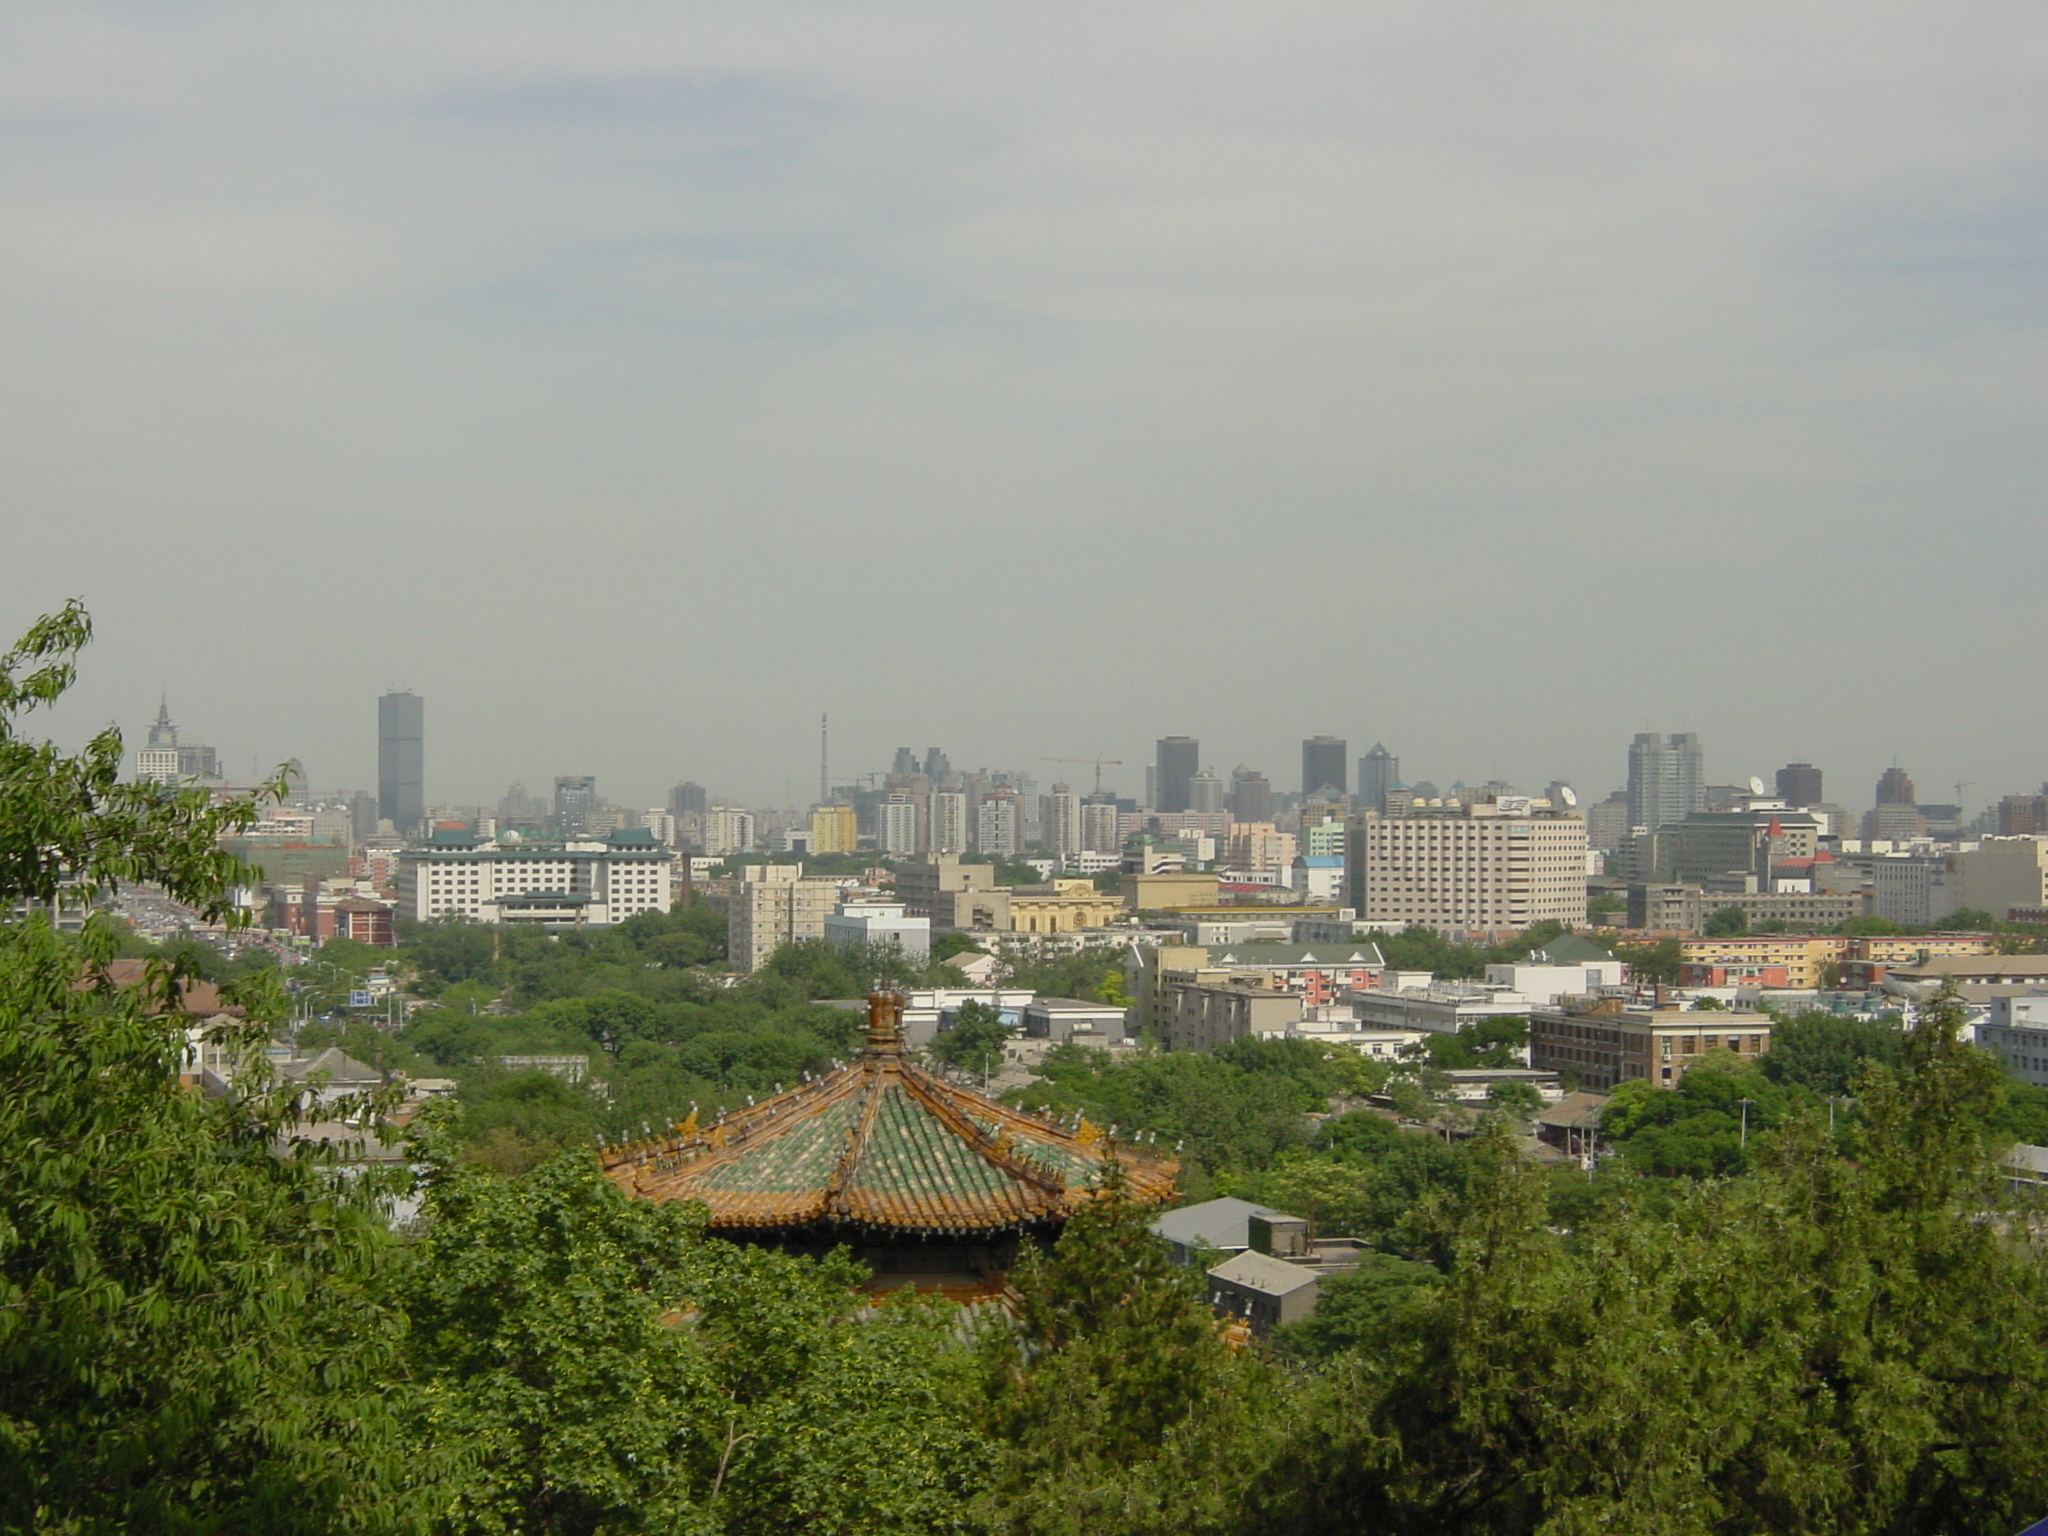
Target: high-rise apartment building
1099, 825
401, 761
996, 826
1205, 792
728, 830
1799, 785
1378, 771
898, 826
1666, 779
1179, 761
1062, 817
951, 831
834, 829
1468, 868
1325, 763
1251, 796
575, 803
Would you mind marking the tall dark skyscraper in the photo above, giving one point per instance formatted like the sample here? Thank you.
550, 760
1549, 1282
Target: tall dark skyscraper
1799, 784
402, 761
1180, 759
1251, 796
1325, 764
575, 800
688, 799
1895, 787
1378, 771
1666, 779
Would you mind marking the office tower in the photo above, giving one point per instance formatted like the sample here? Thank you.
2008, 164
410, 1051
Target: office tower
401, 761
688, 799
1205, 791
1895, 787
1378, 771
1324, 761
1666, 779
937, 767
362, 814
1607, 823
1062, 820
1251, 797
1099, 825
575, 803
1179, 759
906, 761
996, 826
899, 826
1799, 784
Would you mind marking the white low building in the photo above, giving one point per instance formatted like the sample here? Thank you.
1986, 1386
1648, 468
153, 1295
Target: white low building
2015, 1029
880, 924
1441, 1008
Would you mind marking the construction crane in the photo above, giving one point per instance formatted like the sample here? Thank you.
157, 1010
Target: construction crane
1099, 762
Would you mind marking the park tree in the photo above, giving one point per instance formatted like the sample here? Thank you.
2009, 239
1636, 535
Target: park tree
1114, 1400
974, 1041
192, 1337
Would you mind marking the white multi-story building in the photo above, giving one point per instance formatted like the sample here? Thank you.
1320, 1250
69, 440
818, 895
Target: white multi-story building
2016, 1030
728, 830
996, 827
1488, 867
1099, 827
580, 882
879, 924
897, 825
1062, 821
950, 825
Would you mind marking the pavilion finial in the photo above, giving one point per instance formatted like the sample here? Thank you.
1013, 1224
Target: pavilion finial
885, 1021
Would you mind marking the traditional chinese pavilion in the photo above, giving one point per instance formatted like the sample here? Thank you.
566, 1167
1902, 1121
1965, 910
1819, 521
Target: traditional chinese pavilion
927, 1182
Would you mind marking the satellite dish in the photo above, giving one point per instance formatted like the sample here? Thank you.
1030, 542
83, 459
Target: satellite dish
1569, 795
1756, 785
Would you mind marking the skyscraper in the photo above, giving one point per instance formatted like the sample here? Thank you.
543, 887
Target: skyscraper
1666, 779
575, 801
1324, 763
1799, 784
1895, 787
687, 799
1205, 791
1378, 771
1251, 796
1179, 759
402, 761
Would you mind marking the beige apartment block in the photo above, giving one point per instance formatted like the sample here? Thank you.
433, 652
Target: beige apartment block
1603, 1043
2002, 873
1468, 868
1201, 1017
773, 905
1802, 955
834, 829
1160, 893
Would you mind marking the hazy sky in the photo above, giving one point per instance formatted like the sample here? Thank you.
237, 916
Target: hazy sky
636, 382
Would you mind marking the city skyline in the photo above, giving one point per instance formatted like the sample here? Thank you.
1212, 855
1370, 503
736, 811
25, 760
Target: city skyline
418, 329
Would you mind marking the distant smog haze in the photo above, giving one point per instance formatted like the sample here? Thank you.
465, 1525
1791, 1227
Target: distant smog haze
635, 387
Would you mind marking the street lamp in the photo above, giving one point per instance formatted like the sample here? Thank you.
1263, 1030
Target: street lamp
1745, 1103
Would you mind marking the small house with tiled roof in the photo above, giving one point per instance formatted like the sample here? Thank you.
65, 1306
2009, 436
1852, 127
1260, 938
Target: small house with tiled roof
925, 1180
